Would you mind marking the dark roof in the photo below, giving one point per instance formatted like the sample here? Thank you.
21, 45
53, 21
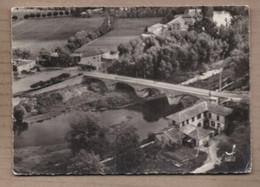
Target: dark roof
172, 133
219, 109
198, 109
90, 53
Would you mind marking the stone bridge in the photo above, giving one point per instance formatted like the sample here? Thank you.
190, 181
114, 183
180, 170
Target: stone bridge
147, 92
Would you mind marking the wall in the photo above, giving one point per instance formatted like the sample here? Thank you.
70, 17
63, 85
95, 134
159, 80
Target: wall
196, 120
220, 122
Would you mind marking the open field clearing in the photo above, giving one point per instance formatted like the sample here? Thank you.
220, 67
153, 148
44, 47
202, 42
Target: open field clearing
124, 30
49, 33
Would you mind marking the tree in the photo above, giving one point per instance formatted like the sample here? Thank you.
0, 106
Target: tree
207, 11
21, 53
18, 114
64, 56
85, 134
55, 13
86, 163
14, 17
44, 53
67, 12
49, 14
38, 15
239, 62
26, 16
128, 155
61, 13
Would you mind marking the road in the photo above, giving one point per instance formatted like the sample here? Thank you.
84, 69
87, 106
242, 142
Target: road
212, 159
175, 87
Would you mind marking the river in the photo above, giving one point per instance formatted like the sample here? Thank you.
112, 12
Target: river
146, 117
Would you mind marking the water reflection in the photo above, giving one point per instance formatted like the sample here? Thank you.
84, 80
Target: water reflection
146, 117
155, 109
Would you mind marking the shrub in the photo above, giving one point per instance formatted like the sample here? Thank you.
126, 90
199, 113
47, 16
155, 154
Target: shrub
61, 13
67, 12
26, 16
38, 15
55, 13
14, 17
18, 113
49, 14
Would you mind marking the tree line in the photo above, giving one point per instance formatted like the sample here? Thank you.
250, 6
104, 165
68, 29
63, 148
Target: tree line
162, 57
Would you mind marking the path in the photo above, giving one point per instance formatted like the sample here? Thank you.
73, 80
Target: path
204, 76
212, 159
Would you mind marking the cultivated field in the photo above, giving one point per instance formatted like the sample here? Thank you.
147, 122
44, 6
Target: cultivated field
124, 30
35, 34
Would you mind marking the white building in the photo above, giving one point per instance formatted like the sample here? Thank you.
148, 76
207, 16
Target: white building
23, 65
200, 120
91, 59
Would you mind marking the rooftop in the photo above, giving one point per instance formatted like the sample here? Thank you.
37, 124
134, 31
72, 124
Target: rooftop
156, 26
198, 109
199, 133
173, 134
90, 52
195, 132
21, 62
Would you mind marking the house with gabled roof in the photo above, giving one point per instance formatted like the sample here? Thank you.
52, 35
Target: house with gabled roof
169, 136
201, 121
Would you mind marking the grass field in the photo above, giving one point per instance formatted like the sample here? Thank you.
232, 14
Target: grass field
35, 34
124, 30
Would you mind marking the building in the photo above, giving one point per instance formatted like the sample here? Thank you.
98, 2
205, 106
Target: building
181, 22
90, 60
23, 65
170, 137
156, 29
194, 136
194, 12
201, 121
109, 56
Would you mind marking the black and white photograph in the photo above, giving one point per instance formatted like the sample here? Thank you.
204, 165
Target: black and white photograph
131, 90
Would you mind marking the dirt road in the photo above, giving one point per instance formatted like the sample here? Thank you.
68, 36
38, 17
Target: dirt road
212, 159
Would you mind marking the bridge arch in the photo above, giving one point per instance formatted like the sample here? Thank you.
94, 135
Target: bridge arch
90, 81
121, 86
150, 91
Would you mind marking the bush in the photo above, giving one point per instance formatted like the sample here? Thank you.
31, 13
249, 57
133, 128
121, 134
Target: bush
55, 13
18, 113
26, 16
44, 15
64, 75
51, 81
61, 13
67, 12
14, 17
38, 15
49, 14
